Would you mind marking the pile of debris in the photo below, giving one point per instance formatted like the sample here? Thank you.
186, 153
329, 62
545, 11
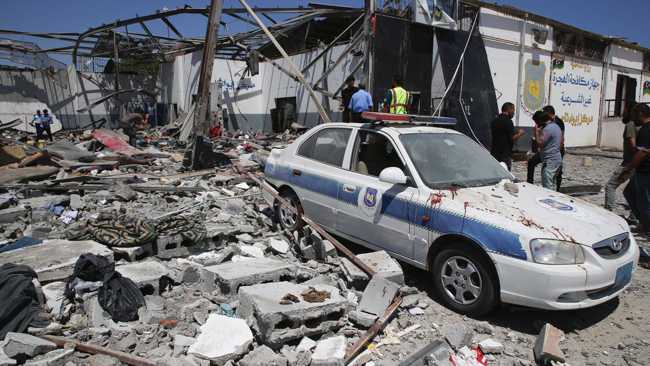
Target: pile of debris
109, 255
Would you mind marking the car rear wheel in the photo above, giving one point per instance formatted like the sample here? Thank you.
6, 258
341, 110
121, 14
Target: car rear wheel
287, 217
464, 280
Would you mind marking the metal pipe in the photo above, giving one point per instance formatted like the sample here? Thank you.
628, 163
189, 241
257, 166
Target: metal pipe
520, 89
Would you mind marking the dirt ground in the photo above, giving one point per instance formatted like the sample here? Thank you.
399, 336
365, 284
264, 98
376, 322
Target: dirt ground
614, 333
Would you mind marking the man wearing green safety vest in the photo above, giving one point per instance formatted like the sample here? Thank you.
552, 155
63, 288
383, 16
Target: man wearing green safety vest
397, 98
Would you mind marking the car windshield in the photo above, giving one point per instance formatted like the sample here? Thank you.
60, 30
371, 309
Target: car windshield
446, 160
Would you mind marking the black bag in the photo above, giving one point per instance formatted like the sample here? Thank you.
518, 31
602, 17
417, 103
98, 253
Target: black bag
89, 267
19, 305
121, 298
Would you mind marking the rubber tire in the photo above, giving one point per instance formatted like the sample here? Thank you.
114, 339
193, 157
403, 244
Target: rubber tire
488, 299
290, 196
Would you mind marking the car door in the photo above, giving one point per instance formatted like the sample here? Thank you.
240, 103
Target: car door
315, 170
376, 212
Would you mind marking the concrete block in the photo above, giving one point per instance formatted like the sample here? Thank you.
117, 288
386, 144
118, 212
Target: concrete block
362, 319
490, 346
231, 275
547, 346
133, 254
172, 246
21, 346
330, 352
52, 358
296, 358
279, 246
103, 360
457, 335
382, 263
263, 356
222, 339
53, 293
306, 344
150, 276
278, 323
45, 201
378, 295
54, 260
12, 214
251, 251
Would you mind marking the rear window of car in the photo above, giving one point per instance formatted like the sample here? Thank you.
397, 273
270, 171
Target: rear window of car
327, 146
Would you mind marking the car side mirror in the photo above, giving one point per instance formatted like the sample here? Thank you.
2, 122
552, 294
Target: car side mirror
393, 175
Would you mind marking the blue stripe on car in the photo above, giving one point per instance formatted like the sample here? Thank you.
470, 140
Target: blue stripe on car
493, 238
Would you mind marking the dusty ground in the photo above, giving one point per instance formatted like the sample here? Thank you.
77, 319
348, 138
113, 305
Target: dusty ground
614, 333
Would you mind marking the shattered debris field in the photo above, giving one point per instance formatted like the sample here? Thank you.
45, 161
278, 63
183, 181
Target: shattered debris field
127, 258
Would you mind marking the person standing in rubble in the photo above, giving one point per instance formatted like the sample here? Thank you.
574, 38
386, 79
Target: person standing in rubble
621, 174
131, 124
346, 96
360, 102
397, 98
504, 134
46, 123
536, 159
549, 139
637, 191
36, 122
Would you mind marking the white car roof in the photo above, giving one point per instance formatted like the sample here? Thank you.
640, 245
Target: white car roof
395, 128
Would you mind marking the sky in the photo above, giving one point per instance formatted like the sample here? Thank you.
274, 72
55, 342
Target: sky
620, 18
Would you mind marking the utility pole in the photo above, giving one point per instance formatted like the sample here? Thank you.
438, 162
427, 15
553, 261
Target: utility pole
368, 32
201, 119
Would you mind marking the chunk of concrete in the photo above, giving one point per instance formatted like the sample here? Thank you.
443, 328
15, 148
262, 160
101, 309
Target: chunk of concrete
54, 260
362, 318
382, 263
147, 275
457, 335
102, 360
53, 293
263, 356
378, 295
547, 346
76, 202
222, 338
251, 251
330, 352
133, 254
52, 358
277, 323
231, 275
171, 246
45, 201
12, 214
490, 346
21, 346
306, 344
279, 246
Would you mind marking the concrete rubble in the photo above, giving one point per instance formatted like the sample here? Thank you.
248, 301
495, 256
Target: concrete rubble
222, 283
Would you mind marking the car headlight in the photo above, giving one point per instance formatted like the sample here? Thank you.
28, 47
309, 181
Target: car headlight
551, 251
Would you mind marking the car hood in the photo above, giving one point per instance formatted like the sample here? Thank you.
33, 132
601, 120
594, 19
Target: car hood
537, 212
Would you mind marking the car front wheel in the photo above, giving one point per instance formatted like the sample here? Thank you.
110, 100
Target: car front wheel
464, 281
290, 218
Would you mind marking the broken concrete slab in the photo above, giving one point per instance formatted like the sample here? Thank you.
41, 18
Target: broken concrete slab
171, 246
54, 260
306, 344
69, 151
52, 358
263, 356
148, 275
133, 254
378, 295
222, 338
20, 346
46, 201
363, 319
76, 203
330, 352
279, 246
457, 335
53, 293
12, 214
490, 346
277, 323
547, 345
231, 275
382, 263
27, 173
103, 360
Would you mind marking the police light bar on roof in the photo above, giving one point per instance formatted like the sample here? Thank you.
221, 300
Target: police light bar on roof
378, 118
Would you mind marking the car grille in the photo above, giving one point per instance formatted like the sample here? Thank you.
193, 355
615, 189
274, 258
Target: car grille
607, 247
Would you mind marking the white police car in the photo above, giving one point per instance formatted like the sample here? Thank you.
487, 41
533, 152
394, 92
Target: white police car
434, 198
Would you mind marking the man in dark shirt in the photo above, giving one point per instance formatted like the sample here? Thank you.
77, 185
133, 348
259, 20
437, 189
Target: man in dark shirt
504, 134
621, 174
346, 95
537, 159
637, 192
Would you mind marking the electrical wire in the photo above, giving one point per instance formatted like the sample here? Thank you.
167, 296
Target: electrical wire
462, 106
462, 57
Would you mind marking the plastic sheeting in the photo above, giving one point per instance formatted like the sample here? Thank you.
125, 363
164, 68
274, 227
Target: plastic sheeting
19, 304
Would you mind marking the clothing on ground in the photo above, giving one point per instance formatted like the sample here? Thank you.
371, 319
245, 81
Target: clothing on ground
361, 101
552, 136
19, 305
630, 132
502, 143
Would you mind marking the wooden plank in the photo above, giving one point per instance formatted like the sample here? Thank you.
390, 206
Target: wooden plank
27, 173
94, 349
373, 331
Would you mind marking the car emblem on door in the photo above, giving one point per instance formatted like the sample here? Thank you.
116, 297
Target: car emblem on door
616, 245
370, 199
